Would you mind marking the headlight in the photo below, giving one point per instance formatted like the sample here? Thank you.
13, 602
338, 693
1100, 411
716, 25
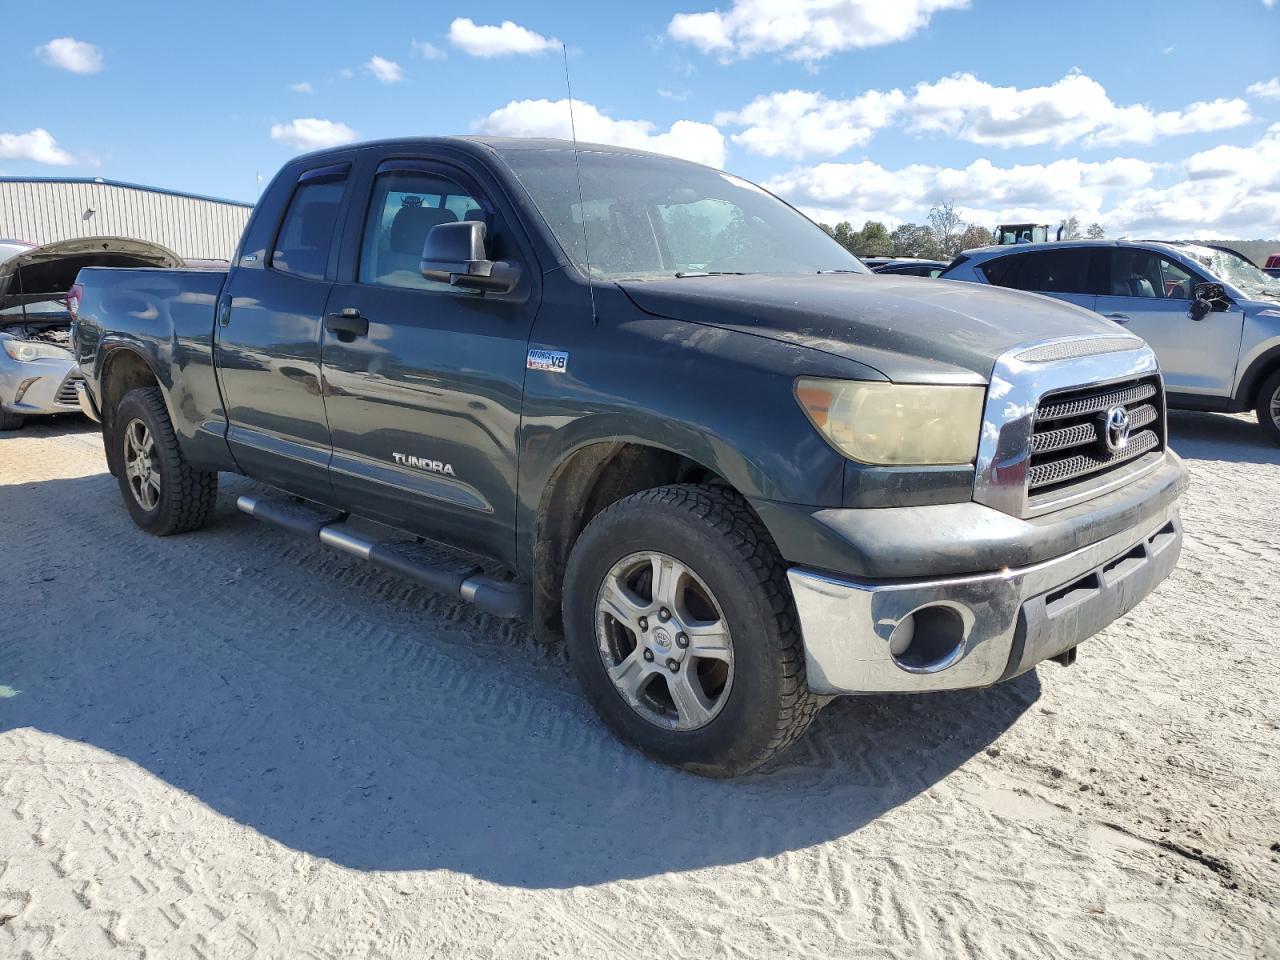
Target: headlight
29, 350
891, 423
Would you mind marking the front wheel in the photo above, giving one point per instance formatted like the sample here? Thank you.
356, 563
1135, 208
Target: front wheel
1269, 407
10, 421
162, 491
682, 630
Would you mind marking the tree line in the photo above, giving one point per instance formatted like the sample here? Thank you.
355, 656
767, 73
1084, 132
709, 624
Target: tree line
943, 236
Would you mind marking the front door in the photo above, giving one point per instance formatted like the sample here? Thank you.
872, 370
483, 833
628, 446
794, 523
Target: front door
424, 398
1150, 295
268, 344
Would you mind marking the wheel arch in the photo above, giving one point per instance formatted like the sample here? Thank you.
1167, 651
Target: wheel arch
586, 481
123, 369
1259, 369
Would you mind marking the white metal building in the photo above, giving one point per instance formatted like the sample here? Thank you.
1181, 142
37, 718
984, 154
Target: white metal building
43, 209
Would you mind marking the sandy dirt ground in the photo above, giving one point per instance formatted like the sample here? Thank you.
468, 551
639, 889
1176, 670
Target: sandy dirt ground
239, 744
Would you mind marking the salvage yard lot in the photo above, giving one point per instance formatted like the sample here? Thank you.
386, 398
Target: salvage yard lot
238, 744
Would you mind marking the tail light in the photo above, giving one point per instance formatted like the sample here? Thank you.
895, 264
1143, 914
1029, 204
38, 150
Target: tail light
74, 296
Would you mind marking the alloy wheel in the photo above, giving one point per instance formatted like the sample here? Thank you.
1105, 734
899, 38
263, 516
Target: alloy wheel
140, 466
664, 641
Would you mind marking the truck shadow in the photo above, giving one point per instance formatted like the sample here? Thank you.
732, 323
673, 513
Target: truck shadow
350, 716
1219, 436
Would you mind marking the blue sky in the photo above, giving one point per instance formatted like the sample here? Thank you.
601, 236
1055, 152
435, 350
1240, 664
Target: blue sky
1140, 115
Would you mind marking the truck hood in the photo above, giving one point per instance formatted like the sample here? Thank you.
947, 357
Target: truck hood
911, 329
47, 272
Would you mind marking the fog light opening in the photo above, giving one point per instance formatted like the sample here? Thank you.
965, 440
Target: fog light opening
928, 639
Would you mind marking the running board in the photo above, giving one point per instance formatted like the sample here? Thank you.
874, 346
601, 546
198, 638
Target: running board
417, 562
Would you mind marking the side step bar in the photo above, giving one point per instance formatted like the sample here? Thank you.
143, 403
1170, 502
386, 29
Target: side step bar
416, 562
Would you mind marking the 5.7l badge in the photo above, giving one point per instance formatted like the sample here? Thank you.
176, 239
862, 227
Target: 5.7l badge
552, 361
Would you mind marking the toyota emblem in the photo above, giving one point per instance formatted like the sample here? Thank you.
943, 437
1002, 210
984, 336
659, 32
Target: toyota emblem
1115, 429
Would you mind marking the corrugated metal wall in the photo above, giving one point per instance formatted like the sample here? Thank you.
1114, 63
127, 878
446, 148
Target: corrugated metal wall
192, 227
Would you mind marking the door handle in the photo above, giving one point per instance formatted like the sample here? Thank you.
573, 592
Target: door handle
1121, 318
347, 324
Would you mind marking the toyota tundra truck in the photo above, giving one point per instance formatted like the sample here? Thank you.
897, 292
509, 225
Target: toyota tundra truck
656, 411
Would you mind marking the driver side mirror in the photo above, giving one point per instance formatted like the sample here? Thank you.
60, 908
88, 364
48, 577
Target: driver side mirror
1207, 298
454, 253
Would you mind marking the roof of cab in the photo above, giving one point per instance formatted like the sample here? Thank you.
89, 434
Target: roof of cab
493, 145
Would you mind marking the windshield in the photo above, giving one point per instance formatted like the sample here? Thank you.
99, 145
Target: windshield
656, 217
1235, 270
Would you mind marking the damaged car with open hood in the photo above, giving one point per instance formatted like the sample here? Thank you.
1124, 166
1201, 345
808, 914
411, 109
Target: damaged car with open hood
38, 375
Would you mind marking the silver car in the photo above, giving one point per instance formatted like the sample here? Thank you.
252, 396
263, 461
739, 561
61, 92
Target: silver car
1211, 316
38, 374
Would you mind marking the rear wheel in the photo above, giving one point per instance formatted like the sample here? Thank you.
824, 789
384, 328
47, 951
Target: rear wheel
1269, 407
10, 421
682, 630
162, 491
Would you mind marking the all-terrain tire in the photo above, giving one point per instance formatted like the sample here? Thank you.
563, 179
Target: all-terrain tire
1268, 408
11, 421
719, 539
186, 496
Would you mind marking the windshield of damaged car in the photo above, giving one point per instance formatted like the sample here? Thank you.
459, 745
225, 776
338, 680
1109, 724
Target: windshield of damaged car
1237, 271
651, 217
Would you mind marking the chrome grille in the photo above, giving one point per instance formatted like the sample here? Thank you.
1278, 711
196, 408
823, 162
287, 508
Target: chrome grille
66, 394
1069, 437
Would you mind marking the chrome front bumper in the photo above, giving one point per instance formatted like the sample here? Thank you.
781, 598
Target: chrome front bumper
1002, 623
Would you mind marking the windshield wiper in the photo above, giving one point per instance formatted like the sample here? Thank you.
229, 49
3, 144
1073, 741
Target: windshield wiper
680, 275
840, 271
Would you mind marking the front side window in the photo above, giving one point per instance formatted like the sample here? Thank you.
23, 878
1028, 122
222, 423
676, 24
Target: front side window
1043, 271
306, 233
404, 207
1176, 281
635, 216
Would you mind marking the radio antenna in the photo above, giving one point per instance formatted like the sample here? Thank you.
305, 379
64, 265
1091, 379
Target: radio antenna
577, 169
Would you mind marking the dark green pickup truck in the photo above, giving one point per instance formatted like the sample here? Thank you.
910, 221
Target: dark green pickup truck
654, 409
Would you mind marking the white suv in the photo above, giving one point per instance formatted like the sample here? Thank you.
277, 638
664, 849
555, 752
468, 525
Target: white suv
1211, 316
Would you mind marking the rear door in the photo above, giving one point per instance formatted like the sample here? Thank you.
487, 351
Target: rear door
424, 402
268, 340
1061, 272
1150, 295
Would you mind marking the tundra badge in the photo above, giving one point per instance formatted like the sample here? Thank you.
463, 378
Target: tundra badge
422, 463
552, 361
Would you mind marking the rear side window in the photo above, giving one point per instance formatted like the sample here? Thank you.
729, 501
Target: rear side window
1042, 271
306, 234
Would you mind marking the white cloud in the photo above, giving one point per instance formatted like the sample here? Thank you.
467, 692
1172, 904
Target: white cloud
37, 145
1228, 191
859, 191
302, 87
1075, 107
428, 51
801, 124
309, 133
387, 71
700, 142
804, 29
503, 40
1268, 90
1137, 124
68, 53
